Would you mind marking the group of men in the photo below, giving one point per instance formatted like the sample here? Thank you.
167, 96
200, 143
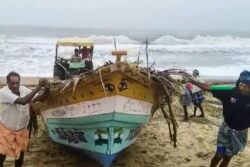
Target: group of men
15, 103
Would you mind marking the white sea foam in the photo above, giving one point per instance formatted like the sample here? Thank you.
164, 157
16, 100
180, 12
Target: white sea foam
226, 55
110, 39
204, 40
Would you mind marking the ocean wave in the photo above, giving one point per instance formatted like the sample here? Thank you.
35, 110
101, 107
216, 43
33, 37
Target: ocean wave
202, 49
220, 41
34, 56
30, 40
121, 39
226, 41
97, 39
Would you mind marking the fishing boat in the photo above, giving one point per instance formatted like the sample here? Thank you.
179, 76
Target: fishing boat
98, 112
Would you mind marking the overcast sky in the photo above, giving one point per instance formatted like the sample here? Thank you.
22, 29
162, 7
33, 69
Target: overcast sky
232, 15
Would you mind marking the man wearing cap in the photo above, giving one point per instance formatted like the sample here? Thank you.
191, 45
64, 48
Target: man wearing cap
232, 135
197, 96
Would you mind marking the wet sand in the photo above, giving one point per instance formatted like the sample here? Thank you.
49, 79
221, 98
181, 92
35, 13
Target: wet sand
196, 145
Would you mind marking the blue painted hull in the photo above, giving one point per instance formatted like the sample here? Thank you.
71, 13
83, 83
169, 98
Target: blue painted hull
104, 159
100, 137
102, 142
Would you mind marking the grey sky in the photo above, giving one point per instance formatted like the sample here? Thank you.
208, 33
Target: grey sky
232, 15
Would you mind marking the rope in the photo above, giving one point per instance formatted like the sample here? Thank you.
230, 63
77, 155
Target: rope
103, 86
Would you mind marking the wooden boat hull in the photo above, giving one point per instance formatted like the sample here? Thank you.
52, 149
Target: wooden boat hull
103, 115
101, 128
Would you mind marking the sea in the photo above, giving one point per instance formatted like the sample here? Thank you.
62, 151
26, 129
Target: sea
31, 50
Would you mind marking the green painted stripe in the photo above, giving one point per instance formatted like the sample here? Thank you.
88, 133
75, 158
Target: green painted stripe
88, 138
222, 87
104, 120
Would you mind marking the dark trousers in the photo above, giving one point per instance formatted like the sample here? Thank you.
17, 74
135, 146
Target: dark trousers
18, 162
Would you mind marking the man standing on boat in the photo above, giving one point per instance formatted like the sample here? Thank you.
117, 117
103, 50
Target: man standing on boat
232, 135
14, 117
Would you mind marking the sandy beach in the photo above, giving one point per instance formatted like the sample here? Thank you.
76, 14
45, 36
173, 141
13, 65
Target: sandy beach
196, 144
108, 62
